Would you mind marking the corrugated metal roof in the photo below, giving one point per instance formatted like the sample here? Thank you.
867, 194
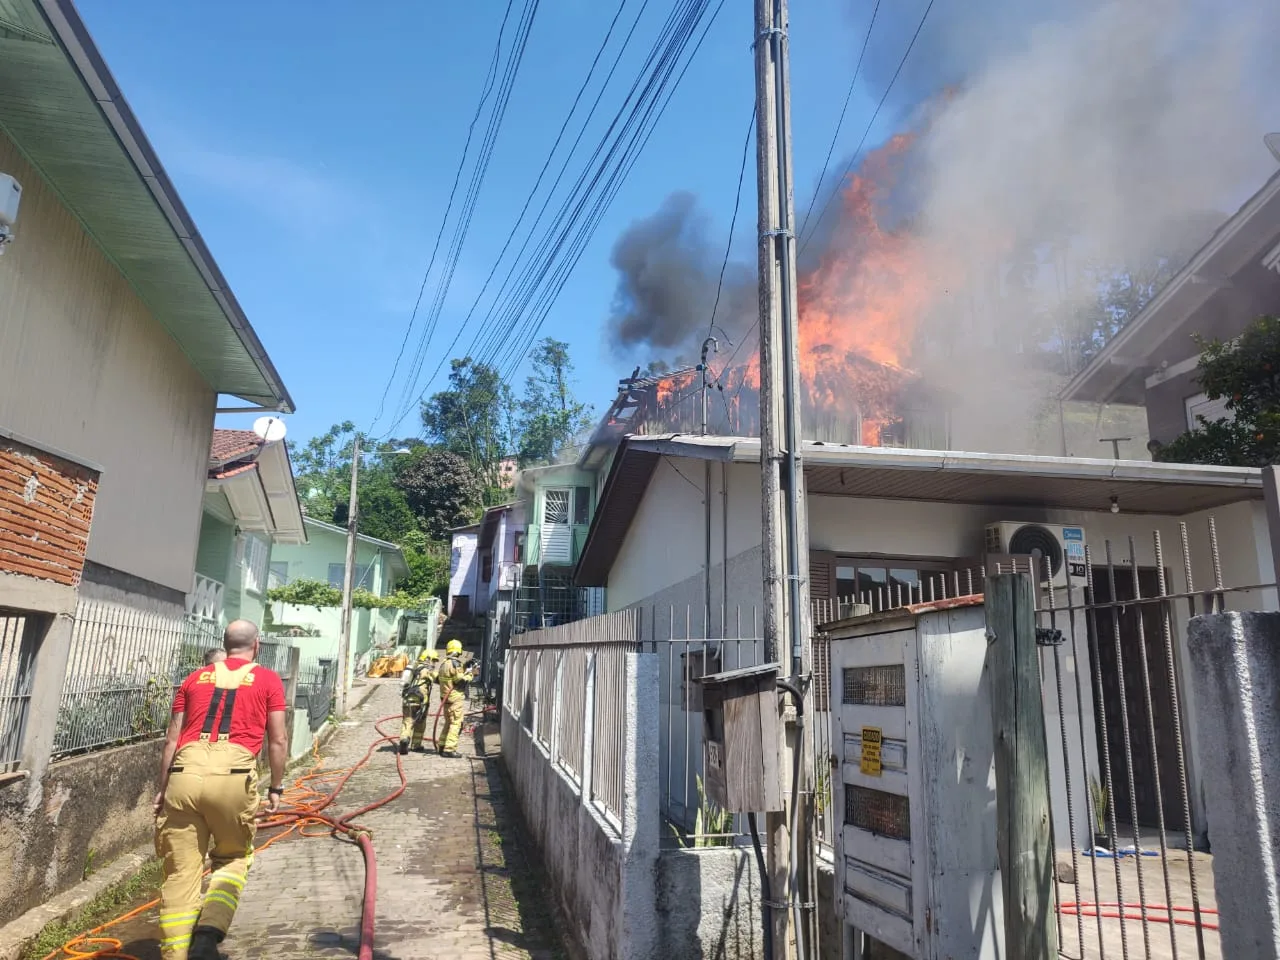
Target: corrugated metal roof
61, 107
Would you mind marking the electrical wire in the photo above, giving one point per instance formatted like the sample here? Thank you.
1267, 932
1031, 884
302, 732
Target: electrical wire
466, 215
448, 352
490, 77
871, 123
853, 82
733, 222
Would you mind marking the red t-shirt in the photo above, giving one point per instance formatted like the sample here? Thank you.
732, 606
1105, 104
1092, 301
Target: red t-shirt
260, 693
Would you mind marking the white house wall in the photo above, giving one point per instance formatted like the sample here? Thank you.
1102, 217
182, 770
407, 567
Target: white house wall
86, 369
462, 568
660, 569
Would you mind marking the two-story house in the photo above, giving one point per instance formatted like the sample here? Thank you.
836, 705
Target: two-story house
1230, 281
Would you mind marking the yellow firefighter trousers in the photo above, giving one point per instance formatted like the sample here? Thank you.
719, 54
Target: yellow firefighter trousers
454, 707
413, 726
207, 808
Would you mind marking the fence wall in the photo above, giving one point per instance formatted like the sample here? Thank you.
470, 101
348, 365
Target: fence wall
580, 734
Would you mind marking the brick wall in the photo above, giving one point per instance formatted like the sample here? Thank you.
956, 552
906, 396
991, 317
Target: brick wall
46, 506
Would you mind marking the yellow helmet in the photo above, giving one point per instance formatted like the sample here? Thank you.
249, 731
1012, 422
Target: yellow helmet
453, 646
424, 656
434, 654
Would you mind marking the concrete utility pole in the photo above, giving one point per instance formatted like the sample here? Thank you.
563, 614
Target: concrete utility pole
707, 345
785, 531
348, 586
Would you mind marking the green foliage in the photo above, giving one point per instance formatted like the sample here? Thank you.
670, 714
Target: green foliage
441, 489
710, 822
428, 566
316, 593
1098, 796
473, 417
551, 419
1246, 372
118, 898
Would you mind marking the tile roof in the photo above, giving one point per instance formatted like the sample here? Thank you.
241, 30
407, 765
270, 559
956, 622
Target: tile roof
232, 470
231, 445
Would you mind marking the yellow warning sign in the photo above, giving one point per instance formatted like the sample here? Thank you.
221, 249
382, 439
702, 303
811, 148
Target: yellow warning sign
871, 751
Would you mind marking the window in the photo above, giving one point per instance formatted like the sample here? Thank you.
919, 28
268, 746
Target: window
255, 554
555, 508
363, 578
1212, 410
581, 505
486, 567
279, 575
885, 582
519, 548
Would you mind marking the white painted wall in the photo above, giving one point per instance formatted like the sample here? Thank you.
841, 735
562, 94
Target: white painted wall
660, 567
85, 368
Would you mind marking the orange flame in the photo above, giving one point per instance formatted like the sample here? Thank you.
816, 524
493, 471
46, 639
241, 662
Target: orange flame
859, 311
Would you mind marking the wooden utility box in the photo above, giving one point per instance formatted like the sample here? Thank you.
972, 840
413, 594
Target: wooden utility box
741, 739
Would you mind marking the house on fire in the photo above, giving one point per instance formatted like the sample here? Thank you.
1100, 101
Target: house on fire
889, 523
1230, 281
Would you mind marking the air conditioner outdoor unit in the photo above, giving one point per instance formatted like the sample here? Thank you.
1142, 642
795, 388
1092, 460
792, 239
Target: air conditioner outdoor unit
1063, 546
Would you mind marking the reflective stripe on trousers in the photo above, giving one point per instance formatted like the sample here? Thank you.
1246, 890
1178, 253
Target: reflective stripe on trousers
209, 805
454, 708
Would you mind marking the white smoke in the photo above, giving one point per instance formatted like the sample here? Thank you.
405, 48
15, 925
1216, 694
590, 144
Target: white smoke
1104, 139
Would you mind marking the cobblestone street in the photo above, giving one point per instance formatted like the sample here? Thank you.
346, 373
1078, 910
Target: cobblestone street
455, 878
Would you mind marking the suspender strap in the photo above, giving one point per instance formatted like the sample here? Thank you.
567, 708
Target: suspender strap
212, 713
226, 683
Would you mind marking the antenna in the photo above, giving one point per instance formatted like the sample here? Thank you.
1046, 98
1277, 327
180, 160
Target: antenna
269, 429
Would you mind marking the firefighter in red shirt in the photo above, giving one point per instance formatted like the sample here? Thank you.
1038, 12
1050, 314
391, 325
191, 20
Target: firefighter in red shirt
209, 791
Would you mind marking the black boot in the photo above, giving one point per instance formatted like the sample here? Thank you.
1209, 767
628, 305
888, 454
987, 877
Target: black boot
204, 945
404, 747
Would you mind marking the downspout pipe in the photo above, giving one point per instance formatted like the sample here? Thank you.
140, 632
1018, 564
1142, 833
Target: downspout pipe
797, 910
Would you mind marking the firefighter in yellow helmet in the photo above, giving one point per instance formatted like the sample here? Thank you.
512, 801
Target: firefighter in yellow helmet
415, 699
453, 677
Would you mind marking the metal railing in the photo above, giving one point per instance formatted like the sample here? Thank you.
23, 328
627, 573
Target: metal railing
567, 686
1119, 756
123, 666
17, 671
317, 682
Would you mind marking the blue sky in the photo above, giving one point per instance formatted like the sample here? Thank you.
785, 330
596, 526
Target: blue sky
316, 153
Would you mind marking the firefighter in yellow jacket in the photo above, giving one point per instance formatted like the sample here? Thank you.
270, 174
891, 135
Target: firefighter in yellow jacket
415, 699
453, 677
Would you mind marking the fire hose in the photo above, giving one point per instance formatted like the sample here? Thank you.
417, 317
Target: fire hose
306, 801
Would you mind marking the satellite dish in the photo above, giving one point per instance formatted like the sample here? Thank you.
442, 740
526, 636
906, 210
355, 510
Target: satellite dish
269, 429
1272, 140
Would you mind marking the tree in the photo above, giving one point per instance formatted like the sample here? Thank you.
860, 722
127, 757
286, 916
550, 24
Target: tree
1246, 372
322, 468
551, 418
428, 566
472, 418
440, 487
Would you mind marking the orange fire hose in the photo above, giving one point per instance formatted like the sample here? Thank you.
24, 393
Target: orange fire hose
1111, 911
302, 804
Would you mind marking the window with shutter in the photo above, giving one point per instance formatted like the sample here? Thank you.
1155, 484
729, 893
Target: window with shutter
1212, 411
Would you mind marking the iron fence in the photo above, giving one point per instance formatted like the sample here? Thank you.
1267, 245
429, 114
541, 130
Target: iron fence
317, 682
568, 687
18, 642
123, 666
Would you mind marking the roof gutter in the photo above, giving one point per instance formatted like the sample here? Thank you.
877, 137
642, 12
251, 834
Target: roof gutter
70, 30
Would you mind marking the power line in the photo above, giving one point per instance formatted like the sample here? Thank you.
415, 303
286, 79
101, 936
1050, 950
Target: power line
463, 225
733, 222
853, 82
866, 133
517, 314
533, 192
457, 177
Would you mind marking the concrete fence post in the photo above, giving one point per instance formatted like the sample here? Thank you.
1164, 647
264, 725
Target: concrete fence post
640, 814
49, 637
1235, 679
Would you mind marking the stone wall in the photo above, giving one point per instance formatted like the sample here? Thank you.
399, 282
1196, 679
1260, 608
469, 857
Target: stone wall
84, 812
